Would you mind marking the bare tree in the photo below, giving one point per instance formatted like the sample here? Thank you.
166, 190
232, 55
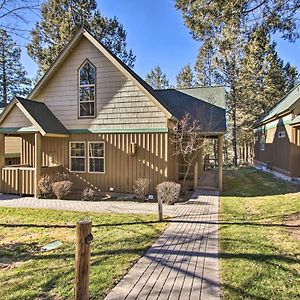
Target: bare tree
15, 12
187, 141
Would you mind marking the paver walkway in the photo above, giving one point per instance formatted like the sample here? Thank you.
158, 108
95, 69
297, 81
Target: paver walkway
183, 263
87, 206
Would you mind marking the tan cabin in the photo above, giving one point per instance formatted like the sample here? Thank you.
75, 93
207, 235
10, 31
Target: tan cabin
93, 117
12, 149
277, 137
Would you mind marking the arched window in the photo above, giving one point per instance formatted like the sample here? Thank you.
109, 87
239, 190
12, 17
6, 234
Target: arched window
87, 90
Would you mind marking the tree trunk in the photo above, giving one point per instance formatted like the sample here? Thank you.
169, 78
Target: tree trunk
234, 130
4, 78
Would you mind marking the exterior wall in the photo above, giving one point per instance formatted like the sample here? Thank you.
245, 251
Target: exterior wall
121, 168
12, 144
278, 151
15, 119
12, 150
120, 104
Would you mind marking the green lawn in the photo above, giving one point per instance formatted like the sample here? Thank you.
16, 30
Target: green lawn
27, 273
259, 250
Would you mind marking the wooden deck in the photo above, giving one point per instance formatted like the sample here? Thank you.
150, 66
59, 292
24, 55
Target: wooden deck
183, 263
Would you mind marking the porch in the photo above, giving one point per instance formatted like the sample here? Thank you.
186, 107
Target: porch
207, 172
24, 118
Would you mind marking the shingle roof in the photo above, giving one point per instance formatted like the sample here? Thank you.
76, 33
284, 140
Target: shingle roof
205, 104
284, 104
43, 116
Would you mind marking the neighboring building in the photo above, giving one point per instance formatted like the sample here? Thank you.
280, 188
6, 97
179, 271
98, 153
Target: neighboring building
277, 135
92, 116
12, 146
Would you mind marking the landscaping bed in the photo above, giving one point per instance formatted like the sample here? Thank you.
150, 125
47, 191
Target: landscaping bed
260, 256
28, 273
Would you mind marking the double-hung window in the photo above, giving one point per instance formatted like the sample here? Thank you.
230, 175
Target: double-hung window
77, 156
87, 90
96, 157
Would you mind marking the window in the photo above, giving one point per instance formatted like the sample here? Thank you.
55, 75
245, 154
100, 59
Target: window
281, 134
77, 156
87, 90
96, 157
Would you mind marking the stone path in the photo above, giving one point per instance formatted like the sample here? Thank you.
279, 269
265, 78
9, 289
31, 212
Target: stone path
87, 206
183, 263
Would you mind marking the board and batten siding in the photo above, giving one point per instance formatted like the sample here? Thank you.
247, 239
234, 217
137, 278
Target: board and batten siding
121, 168
120, 104
278, 151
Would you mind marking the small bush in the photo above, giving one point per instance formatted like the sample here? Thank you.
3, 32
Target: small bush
62, 188
62, 177
45, 185
88, 194
141, 187
168, 192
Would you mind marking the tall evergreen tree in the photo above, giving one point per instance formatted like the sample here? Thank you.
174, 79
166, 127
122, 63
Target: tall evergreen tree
205, 65
223, 28
60, 20
185, 78
13, 77
157, 79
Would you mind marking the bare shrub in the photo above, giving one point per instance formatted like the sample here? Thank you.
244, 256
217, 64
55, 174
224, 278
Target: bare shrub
168, 192
62, 177
62, 188
45, 184
88, 194
141, 187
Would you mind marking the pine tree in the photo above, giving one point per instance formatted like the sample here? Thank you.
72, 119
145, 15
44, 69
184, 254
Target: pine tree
223, 29
60, 20
157, 79
185, 78
205, 66
13, 77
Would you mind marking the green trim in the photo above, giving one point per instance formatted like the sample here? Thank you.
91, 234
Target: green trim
119, 130
17, 129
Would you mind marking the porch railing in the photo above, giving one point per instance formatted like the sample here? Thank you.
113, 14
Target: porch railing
17, 180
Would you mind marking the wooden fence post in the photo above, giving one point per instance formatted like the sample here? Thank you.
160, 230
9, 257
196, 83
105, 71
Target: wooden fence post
196, 168
160, 208
84, 238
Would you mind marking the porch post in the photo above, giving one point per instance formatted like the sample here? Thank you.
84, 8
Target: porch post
200, 161
220, 160
2, 158
38, 162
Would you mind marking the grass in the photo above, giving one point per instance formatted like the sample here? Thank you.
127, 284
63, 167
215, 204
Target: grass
260, 257
28, 273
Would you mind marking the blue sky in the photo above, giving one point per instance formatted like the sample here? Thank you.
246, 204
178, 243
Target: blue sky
157, 35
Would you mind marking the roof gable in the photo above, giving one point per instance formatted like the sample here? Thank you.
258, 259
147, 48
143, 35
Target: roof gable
140, 83
34, 114
282, 106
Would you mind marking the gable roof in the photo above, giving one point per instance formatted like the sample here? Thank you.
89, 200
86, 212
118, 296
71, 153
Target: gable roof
205, 104
281, 107
144, 86
173, 103
39, 115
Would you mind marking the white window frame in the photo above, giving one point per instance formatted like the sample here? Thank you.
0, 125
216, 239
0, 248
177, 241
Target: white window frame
70, 157
86, 85
88, 157
281, 134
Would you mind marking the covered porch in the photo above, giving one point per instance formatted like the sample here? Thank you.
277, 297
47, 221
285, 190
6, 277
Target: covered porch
25, 118
207, 171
